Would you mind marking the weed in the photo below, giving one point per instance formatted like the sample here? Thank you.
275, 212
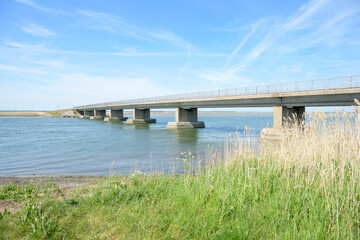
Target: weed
3, 214
186, 158
38, 221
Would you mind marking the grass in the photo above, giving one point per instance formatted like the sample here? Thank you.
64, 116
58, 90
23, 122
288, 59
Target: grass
306, 186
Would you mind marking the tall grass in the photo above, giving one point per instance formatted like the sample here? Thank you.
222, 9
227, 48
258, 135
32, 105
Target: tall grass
316, 168
306, 186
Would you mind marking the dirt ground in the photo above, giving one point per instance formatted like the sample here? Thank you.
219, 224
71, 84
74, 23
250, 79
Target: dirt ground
62, 181
9, 205
65, 183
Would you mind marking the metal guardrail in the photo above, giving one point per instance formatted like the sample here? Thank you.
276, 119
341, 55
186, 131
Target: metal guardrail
307, 85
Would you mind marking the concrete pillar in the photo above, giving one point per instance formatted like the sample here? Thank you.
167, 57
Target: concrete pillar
141, 116
88, 113
116, 115
99, 114
282, 115
186, 118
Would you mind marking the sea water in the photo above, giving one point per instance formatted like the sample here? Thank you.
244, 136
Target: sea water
70, 146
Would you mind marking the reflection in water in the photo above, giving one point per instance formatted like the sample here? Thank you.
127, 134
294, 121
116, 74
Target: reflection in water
189, 136
141, 126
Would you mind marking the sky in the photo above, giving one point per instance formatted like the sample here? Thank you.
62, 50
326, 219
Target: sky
63, 53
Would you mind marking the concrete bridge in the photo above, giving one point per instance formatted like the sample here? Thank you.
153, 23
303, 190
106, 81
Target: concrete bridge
288, 99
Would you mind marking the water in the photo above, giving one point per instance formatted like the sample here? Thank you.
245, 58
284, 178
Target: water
67, 146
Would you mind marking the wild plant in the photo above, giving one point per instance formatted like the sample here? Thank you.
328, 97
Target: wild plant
38, 221
186, 158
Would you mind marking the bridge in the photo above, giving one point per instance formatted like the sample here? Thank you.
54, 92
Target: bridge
288, 99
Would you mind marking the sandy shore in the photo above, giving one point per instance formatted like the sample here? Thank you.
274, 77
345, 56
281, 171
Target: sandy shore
61, 181
23, 114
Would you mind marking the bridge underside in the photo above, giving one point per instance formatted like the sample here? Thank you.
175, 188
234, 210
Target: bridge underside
290, 106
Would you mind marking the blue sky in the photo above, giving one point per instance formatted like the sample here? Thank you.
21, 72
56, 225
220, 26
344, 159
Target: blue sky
59, 54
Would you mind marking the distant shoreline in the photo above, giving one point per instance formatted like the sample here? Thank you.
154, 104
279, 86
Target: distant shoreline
22, 114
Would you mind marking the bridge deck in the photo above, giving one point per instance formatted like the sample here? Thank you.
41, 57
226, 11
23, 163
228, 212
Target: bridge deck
337, 91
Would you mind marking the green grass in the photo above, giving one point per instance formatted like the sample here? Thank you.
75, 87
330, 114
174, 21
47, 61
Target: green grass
59, 112
306, 186
19, 193
242, 201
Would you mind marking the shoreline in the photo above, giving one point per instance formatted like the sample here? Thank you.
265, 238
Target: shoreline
61, 181
22, 114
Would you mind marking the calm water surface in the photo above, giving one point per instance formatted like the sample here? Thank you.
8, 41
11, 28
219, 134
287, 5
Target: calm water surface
65, 146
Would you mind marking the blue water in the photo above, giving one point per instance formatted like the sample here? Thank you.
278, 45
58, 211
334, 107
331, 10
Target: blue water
69, 146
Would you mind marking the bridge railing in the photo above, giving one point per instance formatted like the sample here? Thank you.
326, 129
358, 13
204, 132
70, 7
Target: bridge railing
308, 85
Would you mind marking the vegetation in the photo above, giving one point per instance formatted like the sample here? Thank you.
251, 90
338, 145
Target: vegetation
306, 186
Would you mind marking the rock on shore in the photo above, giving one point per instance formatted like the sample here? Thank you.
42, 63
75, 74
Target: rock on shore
67, 114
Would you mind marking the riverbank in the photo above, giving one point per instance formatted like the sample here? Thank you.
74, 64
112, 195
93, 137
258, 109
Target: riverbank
22, 114
305, 186
63, 184
245, 200
61, 181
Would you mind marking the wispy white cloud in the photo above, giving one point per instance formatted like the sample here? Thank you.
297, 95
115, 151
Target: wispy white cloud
16, 69
114, 24
37, 6
301, 20
23, 45
111, 23
37, 30
127, 52
172, 38
52, 63
219, 77
242, 43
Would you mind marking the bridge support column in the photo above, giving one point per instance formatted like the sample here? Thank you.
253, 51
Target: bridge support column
186, 118
282, 115
116, 115
141, 116
99, 114
88, 113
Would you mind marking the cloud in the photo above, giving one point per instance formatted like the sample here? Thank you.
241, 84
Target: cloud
110, 23
242, 43
104, 88
114, 24
37, 6
312, 24
172, 38
92, 89
37, 30
218, 77
18, 45
127, 52
16, 69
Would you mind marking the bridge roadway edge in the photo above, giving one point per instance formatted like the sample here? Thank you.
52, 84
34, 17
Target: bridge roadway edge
288, 100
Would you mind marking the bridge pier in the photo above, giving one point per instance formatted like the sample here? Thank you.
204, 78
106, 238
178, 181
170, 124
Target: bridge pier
141, 116
99, 114
186, 118
116, 115
88, 113
282, 115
